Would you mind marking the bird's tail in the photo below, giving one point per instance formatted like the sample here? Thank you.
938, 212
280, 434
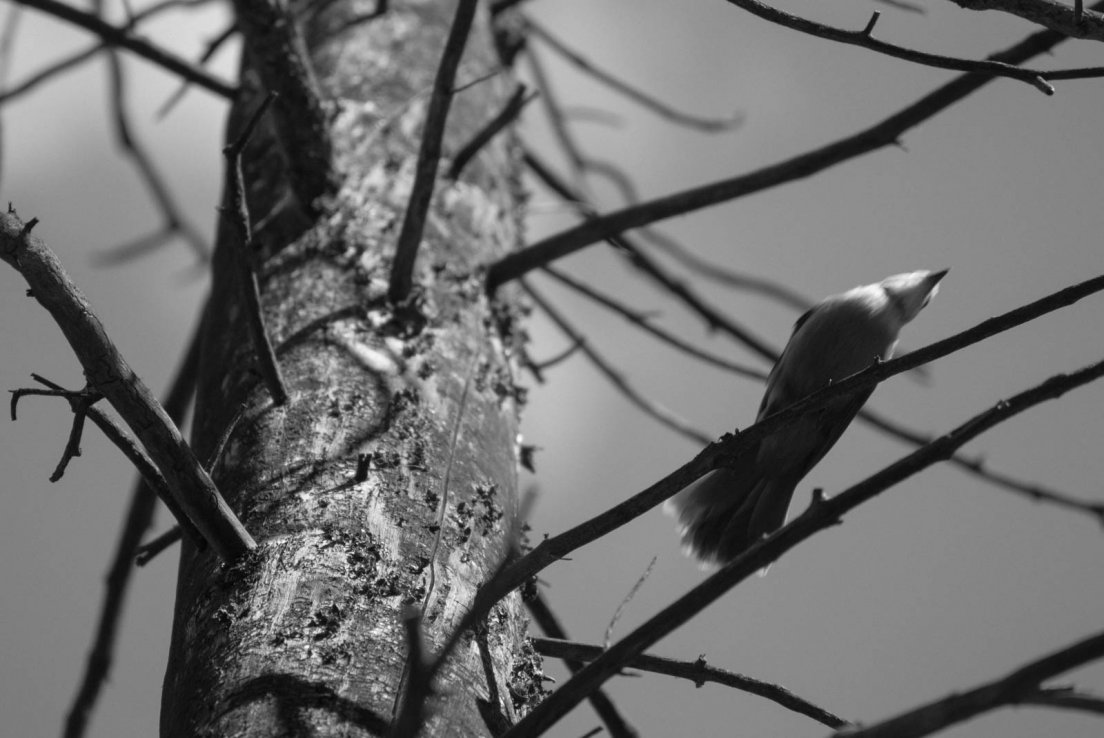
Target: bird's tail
722, 514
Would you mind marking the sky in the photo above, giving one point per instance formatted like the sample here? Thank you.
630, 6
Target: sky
939, 584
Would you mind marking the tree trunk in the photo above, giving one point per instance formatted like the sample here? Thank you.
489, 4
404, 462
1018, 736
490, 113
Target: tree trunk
306, 636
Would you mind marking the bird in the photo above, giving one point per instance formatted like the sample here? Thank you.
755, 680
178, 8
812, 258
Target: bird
723, 513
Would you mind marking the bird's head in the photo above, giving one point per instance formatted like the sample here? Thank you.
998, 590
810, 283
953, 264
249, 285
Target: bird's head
908, 293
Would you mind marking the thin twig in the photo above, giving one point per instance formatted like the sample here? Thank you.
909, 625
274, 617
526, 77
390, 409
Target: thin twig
176, 223
636, 257
47, 73
599, 700
135, 454
1066, 698
977, 467
212, 48
149, 550
80, 401
139, 517
7, 48
238, 213
1015, 688
1036, 78
554, 112
723, 275
507, 115
649, 102
823, 514
885, 133
697, 671
120, 36
429, 155
108, 372
539, 367
642, 321
614, 375
628, 598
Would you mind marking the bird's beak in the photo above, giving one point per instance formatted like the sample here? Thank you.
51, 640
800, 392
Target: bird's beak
934, 277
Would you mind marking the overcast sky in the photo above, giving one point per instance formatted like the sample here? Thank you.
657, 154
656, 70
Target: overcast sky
938, 585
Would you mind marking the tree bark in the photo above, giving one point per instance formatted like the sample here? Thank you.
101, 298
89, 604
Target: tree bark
305, 636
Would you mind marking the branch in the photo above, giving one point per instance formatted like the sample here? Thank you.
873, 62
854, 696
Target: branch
641, 321
509, 112
1049, 13
715, 319
698, 671
614, 375
147, 470
636, 257
107, 371
429, 154
139, 517
175, 222
977, 467
600, 701
820, 515
711, 125
1036, 78
1019, 686
120, 36
237, 211
884, 133
1066, 698
732, 446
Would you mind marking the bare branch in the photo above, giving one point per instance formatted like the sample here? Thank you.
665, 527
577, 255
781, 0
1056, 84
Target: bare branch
658, 107
120, 36
238, 213
599, 700
1065, 698
149, 550
1036, 78
697, 671
429, 154
636, 257
147, 470
139, 517
212, 47
507, 115
731, 446
48, 73
642, 321
885, 133
822, 514
175, 222
108, 372
1008, 690
978, 467
614, 375
1076, 22
717, 320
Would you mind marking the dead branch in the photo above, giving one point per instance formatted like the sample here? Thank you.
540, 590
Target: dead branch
429, 154
108, 372
822, 514
698, 671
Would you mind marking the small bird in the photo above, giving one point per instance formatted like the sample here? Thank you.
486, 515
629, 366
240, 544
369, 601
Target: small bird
726, 511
